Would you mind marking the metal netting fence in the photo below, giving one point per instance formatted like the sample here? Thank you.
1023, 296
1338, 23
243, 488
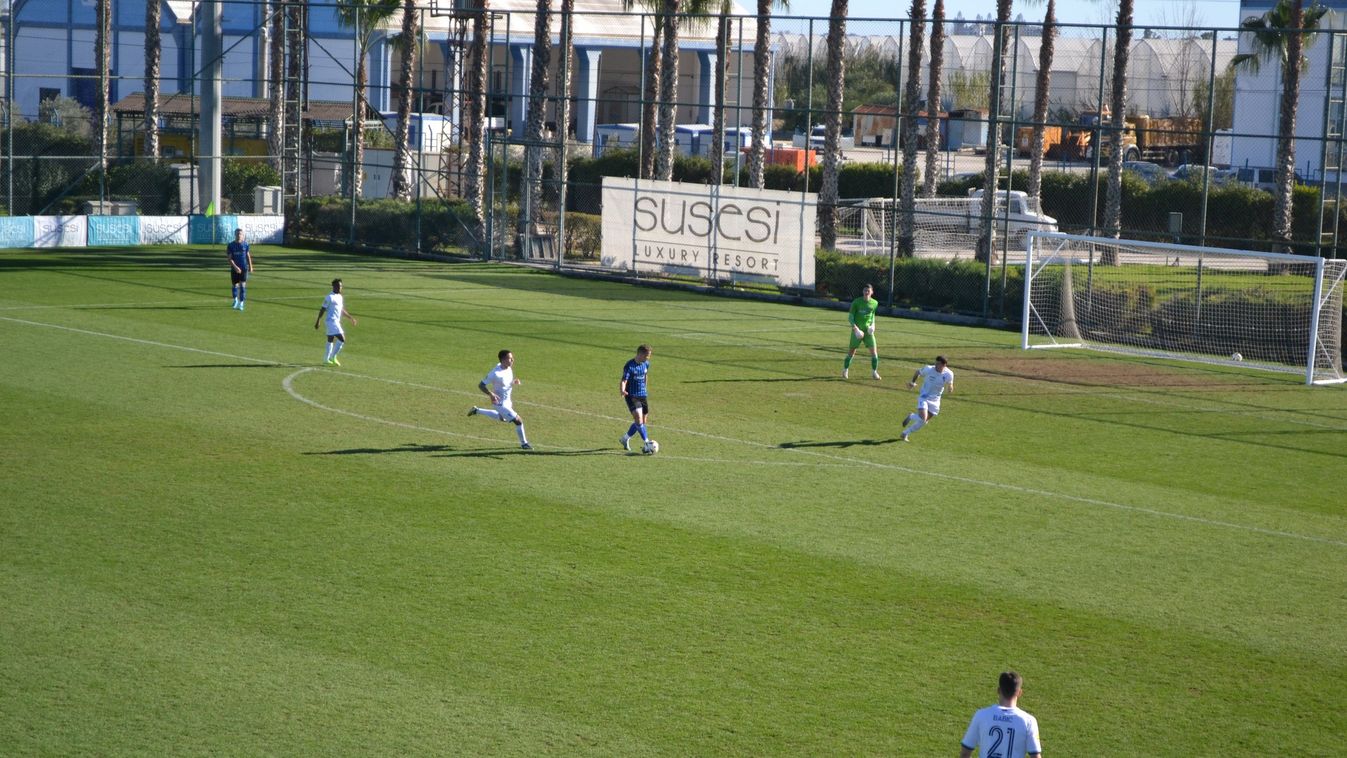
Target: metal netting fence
486, 136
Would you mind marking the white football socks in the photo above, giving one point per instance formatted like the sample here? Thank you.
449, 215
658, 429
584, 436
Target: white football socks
917, 423
519, 432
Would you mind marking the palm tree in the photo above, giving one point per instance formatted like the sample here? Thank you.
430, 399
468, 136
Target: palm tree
474, 95
535, 115
408, 43
835, 80
762, 67
276, 91
153, 50
916, 29
668, 95
987, 238
1041, 86
933, 97
568, 83
1117, 113
651, 87
1275, 38
717, 154
364, 17
103, 49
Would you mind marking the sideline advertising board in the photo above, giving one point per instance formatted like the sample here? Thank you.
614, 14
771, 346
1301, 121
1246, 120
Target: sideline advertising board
715, 232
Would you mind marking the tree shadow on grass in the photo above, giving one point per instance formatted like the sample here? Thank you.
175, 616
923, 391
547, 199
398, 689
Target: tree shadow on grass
535, 452
837, 443
233, 365
410, 447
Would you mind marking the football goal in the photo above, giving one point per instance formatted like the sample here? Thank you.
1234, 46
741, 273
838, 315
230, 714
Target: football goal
1259, 310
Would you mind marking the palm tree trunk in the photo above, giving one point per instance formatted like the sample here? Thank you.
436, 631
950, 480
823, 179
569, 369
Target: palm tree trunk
651, 99
103, 49
474, 172
668, 101
1041, 92
153, 51
832, 126
933, 97
1286, 129
276, 93
717, 155
1118, 106
568, 82
762, 66
358, 133
411, 39
530, 214
915, 39
986, 251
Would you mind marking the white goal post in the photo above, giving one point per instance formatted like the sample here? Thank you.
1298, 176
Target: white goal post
1214, 305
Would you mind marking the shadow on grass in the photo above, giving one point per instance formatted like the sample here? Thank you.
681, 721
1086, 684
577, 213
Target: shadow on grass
234, 365
837, 443
535, 452
410, 447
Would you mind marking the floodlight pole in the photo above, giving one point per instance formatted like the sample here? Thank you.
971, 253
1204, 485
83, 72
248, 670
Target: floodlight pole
212, 50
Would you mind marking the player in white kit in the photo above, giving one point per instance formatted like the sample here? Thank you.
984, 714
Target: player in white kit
333, 308
1003, 730
497, 385
936, 379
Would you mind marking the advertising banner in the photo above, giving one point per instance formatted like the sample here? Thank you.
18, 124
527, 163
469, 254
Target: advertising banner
163, 230
60, 231
715, 232
16, 231
113, 231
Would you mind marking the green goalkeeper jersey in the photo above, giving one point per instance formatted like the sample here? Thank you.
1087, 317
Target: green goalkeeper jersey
862, 313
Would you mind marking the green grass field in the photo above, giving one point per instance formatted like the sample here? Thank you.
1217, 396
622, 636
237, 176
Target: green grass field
210, 543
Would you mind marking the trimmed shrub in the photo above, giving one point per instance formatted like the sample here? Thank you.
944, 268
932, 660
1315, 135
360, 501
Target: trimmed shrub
950, 286
389, 223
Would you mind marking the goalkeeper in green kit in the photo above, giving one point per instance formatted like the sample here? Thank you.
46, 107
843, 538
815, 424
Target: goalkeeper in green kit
862, 320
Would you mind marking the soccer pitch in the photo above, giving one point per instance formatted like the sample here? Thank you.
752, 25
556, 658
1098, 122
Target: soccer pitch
212, 543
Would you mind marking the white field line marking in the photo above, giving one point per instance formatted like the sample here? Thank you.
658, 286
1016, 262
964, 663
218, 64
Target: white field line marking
288, 384
751, 443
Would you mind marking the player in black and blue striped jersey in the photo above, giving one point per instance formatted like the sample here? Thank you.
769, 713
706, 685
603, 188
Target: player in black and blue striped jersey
634, 392
240, 266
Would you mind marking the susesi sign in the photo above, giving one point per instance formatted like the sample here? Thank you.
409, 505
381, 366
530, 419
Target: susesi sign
713, 232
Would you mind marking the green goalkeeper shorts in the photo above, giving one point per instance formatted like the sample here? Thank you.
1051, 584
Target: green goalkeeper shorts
868, 340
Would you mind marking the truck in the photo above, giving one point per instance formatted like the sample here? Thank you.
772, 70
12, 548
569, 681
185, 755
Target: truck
1170, 141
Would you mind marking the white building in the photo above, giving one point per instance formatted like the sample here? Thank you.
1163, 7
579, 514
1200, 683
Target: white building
1319, 116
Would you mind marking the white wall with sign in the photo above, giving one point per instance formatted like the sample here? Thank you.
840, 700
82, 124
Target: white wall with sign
715, 232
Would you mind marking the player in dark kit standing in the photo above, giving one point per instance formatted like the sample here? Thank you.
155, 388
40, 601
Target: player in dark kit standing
634, 392
240, 265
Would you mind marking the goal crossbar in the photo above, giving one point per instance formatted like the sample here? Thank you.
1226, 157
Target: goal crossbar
1274, 311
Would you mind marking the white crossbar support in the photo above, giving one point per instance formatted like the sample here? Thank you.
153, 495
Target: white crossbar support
1318, 304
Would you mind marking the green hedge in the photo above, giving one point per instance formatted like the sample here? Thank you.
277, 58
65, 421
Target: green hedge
389, 223
950, 286
1237, 215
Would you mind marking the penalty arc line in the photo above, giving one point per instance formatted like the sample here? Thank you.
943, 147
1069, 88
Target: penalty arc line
852, 461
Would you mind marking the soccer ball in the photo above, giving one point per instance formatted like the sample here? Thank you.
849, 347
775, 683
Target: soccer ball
1236, 357
650, 447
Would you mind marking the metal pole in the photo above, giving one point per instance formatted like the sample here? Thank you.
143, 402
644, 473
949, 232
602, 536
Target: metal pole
1211, 141
1337, 193
419, 173
892, 219
9, 104
1010, 165
809, 110
739, 109
356, 123
1323, 146
1097, 137
562, 128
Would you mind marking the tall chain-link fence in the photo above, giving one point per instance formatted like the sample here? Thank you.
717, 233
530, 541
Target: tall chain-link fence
489, 133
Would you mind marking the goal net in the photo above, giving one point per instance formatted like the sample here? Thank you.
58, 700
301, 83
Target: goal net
1236, 307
